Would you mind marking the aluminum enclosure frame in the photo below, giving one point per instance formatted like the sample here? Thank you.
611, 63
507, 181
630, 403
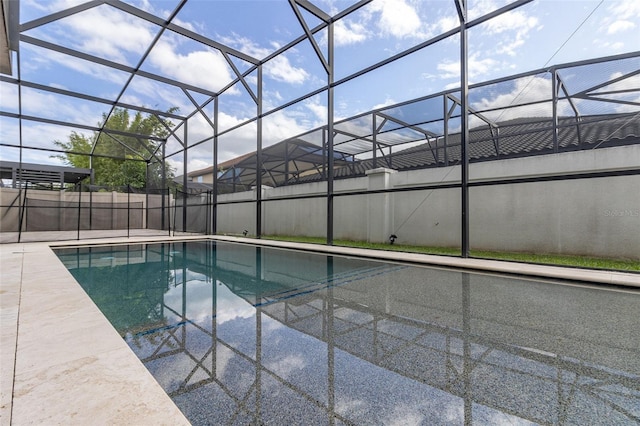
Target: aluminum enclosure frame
255, 66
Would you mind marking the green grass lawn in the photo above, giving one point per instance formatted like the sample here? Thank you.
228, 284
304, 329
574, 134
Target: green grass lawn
546, 259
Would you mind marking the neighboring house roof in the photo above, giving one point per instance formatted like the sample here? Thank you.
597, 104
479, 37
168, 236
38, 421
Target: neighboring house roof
222, 166
282, 161
510, 139
298, 161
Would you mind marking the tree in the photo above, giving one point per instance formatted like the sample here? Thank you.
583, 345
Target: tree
121, 160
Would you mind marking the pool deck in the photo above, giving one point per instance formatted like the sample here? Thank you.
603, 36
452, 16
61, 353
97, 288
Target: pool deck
61, 361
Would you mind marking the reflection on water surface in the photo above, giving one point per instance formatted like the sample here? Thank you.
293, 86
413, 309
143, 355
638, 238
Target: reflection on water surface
238, 334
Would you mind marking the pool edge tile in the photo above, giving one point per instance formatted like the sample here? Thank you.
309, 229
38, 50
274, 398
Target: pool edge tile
97, 384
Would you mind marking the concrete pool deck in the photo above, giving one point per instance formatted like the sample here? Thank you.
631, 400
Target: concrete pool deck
63, 363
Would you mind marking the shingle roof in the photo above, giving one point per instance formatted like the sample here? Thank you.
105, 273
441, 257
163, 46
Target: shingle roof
514, 138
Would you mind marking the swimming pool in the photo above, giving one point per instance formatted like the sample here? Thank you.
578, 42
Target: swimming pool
242, 334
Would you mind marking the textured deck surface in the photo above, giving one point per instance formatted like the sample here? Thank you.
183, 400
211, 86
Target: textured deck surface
63, 363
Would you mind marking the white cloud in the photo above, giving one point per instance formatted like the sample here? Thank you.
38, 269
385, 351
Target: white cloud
610, 46
381, 18
51, 6
205, 68
184, 24
61, 108
32, 135
115, 35
622, 16
451, 86
44, 59
276, 127
346, 404
279, 126
388, 101
525, 90
480, 8
283, 367
449, 69
397, 18
514, 20
9, 96
31, 132
319, 110
447, 23
198, 129
477, 67
347, 32
505, 34
107, 32
151, 90
480, 67
620, 26
279, 68
477, 9
629, 84
454, 413
246, 45
37, 5
629, 9
626, 108
404, 415
513, 28
231, 306
197, 164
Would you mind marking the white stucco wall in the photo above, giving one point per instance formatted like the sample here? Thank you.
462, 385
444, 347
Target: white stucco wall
598, 217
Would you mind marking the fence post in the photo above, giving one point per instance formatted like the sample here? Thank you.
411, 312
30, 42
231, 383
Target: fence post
166, 209
128, 208
22, 202
79, 207
175, 211
207, 213
115, 209
90, 208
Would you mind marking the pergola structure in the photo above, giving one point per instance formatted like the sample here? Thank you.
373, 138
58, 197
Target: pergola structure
21, 174
368, 140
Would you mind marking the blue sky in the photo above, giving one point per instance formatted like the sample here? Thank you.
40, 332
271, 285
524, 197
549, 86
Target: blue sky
544, 32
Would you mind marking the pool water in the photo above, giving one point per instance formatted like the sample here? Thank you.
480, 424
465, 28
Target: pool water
241, 334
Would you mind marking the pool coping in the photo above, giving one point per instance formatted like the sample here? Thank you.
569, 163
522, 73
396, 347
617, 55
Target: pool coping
627, 279
54, 370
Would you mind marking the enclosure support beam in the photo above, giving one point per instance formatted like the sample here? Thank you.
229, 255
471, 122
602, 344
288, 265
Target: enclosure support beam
259, 158
185, 180
164, 184
146, 197
78, 187
374, 137
554, 107
286, 163
91, 183
330, 136
464, 121
214, 209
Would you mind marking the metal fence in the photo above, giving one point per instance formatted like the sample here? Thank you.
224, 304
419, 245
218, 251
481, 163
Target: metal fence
26, 214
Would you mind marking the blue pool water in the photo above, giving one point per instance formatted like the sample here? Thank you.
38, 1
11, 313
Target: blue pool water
238, 334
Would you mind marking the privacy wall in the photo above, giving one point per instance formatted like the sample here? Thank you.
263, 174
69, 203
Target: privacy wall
590, 214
